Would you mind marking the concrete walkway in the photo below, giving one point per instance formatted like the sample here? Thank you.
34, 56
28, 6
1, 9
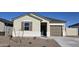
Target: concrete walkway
67, 41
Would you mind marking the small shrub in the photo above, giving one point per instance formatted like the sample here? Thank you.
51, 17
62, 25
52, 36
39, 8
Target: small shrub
30, 42
43, 46
8, 46
34, 37
10, 36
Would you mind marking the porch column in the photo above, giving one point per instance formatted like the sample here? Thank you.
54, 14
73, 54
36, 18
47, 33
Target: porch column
48, 29
64, 30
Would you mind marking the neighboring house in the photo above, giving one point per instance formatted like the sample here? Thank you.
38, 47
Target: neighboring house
5, 27
33, 25
75, 26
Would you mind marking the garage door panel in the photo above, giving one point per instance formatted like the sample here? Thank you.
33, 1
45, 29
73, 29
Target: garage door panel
55, 30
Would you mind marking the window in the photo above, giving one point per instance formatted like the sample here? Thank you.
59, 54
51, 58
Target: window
27, 26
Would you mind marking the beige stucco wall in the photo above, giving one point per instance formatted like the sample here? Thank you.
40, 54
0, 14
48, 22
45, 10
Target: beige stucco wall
71, 31
2, 27
8, 30
48, 26
35, 27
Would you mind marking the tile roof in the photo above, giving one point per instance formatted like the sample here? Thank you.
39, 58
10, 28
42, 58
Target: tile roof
46, 18
49, 19
77, 24
6, 22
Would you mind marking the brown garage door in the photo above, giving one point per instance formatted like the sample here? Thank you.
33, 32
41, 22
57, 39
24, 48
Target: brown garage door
55, 30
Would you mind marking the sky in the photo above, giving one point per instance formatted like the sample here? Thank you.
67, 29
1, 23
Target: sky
69, 17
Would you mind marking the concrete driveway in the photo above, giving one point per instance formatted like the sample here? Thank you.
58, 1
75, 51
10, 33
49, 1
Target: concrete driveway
67, 41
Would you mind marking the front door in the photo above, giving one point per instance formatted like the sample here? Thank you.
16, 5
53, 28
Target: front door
44, 29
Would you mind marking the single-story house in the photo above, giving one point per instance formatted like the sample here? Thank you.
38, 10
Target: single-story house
34, 25
75, 26
5, 27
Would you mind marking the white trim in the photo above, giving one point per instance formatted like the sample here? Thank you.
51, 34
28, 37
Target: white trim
64, 30
48, 29
57, 24
26, 34
27, 20
43, 20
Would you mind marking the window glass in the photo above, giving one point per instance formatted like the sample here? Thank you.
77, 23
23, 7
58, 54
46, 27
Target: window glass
26, 26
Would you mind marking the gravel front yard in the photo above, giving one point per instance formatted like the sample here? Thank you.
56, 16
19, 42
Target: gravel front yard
27, 42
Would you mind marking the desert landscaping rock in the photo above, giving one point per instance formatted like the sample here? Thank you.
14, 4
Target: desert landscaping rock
27, 42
